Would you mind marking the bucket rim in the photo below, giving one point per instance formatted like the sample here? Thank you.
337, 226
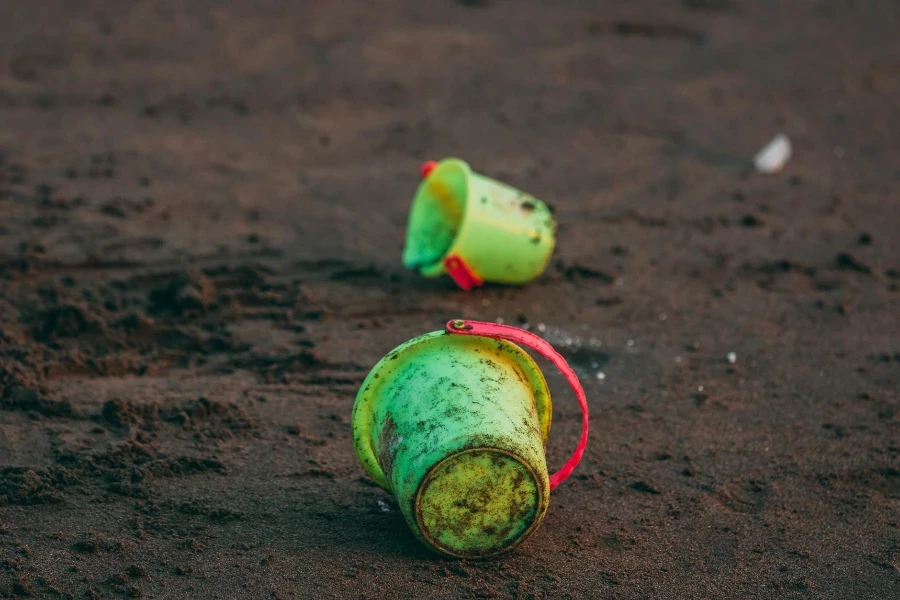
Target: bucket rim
437, 267
364, 405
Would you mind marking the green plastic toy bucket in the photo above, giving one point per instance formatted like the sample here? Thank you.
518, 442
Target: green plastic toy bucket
476, 229
454, 426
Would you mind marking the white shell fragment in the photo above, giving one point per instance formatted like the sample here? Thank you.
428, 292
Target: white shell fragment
774, 155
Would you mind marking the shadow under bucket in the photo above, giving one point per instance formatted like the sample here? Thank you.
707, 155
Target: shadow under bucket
476, 229
454, 426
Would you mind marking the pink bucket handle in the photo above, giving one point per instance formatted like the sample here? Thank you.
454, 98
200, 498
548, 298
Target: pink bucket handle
541, 346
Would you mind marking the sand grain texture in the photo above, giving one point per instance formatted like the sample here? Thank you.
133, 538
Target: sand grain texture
202, 207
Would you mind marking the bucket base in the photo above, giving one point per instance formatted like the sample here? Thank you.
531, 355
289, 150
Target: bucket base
479, 502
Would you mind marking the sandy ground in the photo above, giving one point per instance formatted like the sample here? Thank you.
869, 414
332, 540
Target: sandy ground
202, 207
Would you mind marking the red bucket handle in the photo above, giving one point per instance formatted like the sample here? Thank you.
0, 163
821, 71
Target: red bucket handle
542, 347
461, 273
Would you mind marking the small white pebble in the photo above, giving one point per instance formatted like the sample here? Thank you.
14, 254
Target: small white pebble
630, 343
838, 152
499, 320
662, 316
384, 506
732, 357
542, 327
774, 155
678, 359
601, 375
620, 282
699, 388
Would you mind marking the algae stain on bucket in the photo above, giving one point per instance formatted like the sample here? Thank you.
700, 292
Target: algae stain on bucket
454, 426
463, 222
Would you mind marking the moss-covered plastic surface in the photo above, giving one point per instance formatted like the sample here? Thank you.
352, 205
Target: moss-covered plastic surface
478, 503
454, 427
504, 235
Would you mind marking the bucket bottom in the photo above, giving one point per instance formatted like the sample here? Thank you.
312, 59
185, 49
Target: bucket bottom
479, 502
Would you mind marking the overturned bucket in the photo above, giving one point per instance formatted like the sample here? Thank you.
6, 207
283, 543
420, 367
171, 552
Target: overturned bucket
476, 229
453, 423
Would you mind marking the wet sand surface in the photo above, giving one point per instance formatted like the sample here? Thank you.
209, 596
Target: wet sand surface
202, 208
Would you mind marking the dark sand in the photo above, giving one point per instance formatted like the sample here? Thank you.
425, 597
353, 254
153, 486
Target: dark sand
203, 206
